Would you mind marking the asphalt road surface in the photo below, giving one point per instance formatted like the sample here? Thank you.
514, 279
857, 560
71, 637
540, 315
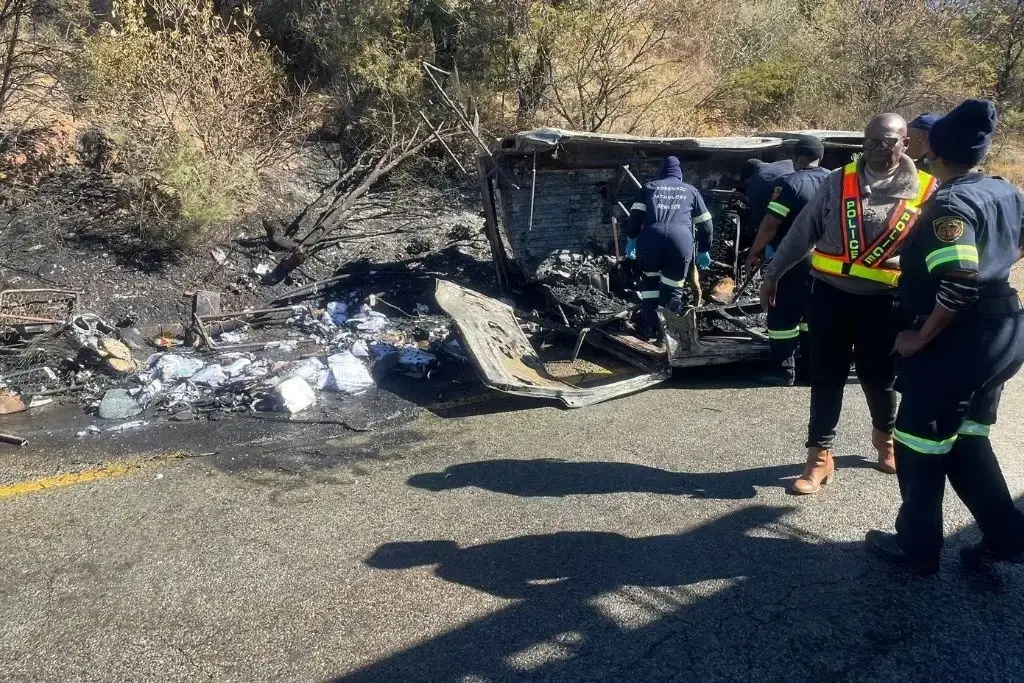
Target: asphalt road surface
490, 539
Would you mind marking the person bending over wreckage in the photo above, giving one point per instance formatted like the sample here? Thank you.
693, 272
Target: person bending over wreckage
671, 228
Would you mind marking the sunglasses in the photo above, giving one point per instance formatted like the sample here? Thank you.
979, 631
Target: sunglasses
887, 143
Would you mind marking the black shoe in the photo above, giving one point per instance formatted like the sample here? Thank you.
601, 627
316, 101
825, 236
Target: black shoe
981, 556
775, 378
886, 546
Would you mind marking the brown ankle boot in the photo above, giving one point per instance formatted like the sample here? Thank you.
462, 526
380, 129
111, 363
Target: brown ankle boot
883, 443
819, 470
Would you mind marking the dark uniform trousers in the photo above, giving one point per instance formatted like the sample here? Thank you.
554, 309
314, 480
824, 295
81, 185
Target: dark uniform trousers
665, 254
850, 327
950, 396
786, 323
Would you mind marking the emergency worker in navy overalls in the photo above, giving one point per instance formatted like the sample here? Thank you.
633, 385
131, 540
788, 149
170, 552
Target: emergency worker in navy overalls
759, 178
965, 340
917, 135
787, 326
672, 228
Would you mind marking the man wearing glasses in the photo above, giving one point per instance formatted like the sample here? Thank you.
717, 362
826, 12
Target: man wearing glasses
854, 227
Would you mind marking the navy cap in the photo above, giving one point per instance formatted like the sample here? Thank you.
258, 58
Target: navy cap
924, 122
964, 135
809, 146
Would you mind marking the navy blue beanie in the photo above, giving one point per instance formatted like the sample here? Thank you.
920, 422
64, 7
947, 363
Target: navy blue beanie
964, 135
671, 169
924, 122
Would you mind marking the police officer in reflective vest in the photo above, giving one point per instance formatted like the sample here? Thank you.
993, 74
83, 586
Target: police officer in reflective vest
857, 223
966, 340
673, 231
786, 318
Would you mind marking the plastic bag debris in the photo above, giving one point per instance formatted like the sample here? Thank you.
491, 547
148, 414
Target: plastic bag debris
294, 395
311, 370
262, 269
369, 320
338, 312
219, 256
416, 362
91, 429
237, 367
348, 374
117, 404
232, 337
169, 367
360, 349
127, 426
211, 376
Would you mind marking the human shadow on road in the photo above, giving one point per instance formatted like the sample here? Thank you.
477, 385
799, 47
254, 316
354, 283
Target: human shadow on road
744, 597
554, 477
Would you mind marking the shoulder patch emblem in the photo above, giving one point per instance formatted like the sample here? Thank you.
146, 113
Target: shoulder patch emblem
948, 228
776, 192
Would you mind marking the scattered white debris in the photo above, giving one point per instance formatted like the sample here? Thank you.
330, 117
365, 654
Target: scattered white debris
233, 337
237, 366
422, 309
312, 370
348, 374
219, 256
159, 476
294, 395
360, 349
38, 401
91, 429
338, 312
369, 320
262, 269
127, 426
169, 366
211, 376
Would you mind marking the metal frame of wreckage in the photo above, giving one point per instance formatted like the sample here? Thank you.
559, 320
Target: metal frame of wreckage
512, 176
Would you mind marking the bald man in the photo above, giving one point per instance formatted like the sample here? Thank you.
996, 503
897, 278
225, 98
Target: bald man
854, 228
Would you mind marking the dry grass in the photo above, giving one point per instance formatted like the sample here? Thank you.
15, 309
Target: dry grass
1007, 160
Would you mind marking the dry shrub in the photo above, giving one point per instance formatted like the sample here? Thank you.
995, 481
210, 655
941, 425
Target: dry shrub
36, 153
198, 105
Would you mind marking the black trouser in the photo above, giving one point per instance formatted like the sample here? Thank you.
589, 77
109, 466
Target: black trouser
850, 327
665, 253
787, 329
951, 392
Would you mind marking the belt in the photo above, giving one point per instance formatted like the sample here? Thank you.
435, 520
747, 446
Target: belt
986, 308
1002, 305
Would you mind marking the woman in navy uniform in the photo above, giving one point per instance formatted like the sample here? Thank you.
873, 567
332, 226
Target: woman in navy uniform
966, 339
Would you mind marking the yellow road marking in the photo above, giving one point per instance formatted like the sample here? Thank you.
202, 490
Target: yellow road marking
23, 488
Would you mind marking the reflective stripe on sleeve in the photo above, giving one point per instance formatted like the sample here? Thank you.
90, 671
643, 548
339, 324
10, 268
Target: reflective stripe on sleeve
923, 445
656, 273
782, 335
672, 283
639, 206
650, 294
969, 428
962, 253
780, 210
706, 216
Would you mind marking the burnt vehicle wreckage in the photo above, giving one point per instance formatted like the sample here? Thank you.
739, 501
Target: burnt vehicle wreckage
555, 204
